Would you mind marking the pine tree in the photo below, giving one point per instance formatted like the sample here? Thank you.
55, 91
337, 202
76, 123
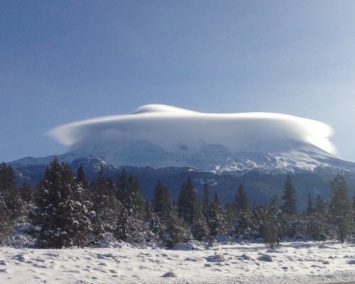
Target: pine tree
272, 223
130, 195
175, 229
106, 207
217, 221
60, 215
187, 202
161, 204
128, 227
199, 228
340, 207
9, 190
320, 206
81, 177
241, 200
309, 209
289, 198
207, 203
242, 220
161, 200
317, 225
26, 192
5, 220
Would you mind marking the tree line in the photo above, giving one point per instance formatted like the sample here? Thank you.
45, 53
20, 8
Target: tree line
64, 209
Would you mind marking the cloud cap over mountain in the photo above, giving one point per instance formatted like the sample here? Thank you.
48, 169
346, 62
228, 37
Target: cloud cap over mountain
170, 127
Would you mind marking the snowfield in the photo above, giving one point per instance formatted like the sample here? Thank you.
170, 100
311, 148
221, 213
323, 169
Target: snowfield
291, 262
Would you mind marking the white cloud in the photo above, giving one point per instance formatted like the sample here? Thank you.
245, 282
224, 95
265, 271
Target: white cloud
169, 126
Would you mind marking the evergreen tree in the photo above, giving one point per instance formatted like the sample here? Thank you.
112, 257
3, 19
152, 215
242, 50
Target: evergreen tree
273, 223
106, 207
340, 207
187, 202
122, 187
316, 223
241, 200
175, 229
289, 198
5, 221
60, 215
161, 200
216, 222
309, 209
130, 195
242, 219
320, 206
9, 191
207, 204
26, 192
129, 225
160, 207
81, 177
199, 228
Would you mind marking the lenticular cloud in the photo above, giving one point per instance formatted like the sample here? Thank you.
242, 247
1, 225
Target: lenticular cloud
170, 127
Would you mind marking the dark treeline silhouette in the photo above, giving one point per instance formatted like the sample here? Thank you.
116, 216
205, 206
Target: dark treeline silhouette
65, 209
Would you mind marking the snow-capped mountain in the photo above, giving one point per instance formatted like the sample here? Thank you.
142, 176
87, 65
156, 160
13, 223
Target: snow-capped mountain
161, 136
223, 150
211, 158
261, 173
207, 158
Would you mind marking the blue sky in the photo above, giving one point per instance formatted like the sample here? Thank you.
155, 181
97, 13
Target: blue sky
63, 61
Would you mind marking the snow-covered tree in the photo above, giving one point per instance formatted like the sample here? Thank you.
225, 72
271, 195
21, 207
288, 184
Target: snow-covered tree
274, 225
160, 208
217, 222
106, 208
5, 221
340, 207
131, 220
59, 212
242, 222
199, 227
9, 190
175, 228
26, 192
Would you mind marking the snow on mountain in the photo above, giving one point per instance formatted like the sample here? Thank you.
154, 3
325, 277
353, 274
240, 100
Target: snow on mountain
213, 158
162, 136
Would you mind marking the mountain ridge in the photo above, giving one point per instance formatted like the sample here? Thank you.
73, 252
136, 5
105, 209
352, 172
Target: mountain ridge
262, 174
215, 158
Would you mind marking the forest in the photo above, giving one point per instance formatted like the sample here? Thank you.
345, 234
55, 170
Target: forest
66, 209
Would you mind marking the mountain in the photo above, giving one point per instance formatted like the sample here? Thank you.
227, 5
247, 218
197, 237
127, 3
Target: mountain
262, 174
214, 158
158, 142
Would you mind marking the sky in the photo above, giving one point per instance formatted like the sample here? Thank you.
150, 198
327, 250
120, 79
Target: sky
65, 61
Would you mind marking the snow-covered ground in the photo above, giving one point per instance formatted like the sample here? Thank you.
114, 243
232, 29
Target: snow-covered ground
291, 262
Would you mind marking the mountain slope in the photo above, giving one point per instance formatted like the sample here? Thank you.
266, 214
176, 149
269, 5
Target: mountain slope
211, 158
261, 173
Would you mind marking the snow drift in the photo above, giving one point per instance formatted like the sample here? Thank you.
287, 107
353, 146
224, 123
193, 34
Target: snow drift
294, 263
